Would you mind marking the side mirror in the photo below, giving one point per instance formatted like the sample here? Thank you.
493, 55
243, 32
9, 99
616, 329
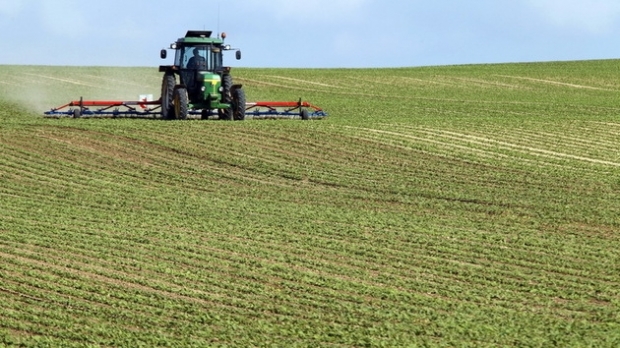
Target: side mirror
238, 55
163, 54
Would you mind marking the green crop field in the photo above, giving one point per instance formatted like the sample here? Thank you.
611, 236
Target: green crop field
456, 206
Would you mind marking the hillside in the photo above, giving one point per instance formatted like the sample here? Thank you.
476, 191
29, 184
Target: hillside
469, 206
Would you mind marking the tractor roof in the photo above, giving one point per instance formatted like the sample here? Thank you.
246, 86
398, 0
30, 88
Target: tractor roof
199, 37
198, 33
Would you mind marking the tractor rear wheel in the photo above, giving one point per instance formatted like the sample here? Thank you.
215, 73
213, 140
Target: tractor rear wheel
167, 90
238, 104
180, 103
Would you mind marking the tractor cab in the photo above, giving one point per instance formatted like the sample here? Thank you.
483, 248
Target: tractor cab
197, 64
199, 45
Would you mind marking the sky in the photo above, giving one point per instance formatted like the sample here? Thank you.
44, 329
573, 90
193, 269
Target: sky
312, 33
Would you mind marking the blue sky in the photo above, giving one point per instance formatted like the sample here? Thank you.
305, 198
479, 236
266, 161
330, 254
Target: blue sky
312, 33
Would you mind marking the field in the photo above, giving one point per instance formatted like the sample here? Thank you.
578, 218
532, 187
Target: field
455, 206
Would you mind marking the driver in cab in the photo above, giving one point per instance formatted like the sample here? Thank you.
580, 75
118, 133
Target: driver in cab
197, 61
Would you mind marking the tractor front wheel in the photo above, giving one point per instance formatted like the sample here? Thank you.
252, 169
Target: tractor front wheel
180, 103
238, 104
227, 84
224, 114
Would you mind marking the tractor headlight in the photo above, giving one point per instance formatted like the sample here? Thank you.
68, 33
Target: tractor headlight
221, 89
203, 88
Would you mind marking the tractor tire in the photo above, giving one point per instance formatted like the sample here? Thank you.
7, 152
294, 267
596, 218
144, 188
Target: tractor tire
227, 114
181, 103
167, 90
238, 104
224, 114
304, 114
227, 83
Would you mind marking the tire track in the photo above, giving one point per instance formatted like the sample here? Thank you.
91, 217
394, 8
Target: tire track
64, 80
308, 82
557, 83
490, 142
576, 145
522, 148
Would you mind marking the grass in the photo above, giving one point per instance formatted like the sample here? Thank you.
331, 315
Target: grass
470, 206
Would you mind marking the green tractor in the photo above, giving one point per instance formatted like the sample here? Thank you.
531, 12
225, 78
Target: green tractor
205, 86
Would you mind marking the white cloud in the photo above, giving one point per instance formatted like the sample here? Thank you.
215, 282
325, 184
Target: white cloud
593, 16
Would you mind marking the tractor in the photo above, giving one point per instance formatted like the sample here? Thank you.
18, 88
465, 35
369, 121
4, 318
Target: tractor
204, 84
